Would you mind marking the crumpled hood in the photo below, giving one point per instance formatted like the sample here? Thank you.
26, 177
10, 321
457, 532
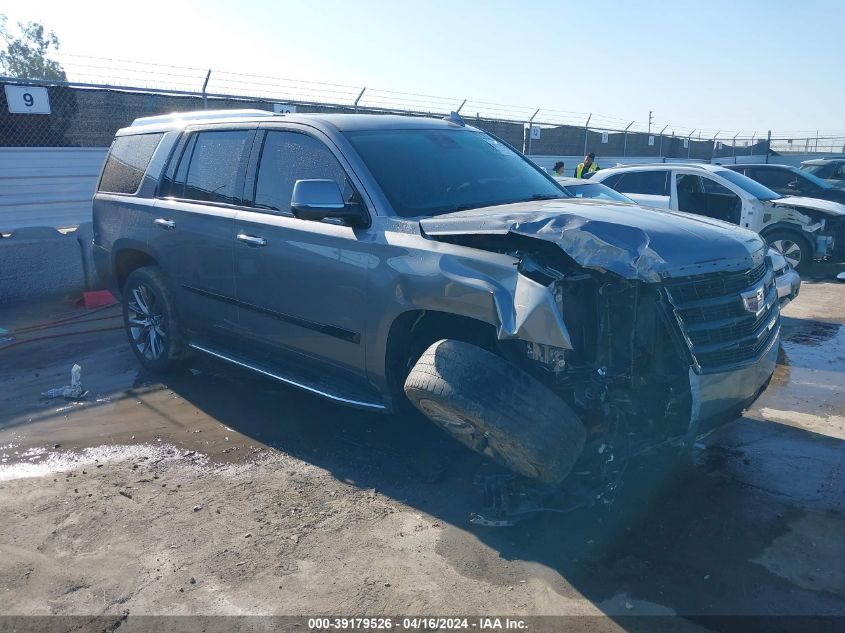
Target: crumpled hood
630, 241
826, 206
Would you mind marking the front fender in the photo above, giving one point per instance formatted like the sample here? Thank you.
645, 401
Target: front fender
420, 274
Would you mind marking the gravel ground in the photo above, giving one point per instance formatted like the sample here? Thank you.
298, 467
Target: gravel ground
219, 492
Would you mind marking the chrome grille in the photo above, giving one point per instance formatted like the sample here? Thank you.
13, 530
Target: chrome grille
719, 330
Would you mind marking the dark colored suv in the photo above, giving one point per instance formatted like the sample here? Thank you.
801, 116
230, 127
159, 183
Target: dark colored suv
377, 260
791, 181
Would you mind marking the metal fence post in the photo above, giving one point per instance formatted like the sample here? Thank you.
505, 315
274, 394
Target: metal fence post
358, 98
733, 147
625, 140
529, 130
204, 93
768, 146
689, 144
751, 150
660, 150
713, 151
586, 132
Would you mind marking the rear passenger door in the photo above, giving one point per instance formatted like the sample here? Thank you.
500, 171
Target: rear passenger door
194, 228
301, 284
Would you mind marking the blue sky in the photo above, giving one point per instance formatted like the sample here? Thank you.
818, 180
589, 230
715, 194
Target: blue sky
743, 65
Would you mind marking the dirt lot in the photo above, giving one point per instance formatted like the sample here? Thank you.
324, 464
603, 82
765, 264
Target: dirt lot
219, 492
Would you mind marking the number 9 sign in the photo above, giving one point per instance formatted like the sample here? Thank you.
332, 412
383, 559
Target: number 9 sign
27, 99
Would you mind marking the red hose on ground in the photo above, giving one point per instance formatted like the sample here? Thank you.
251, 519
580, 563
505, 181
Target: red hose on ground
64, 320
47, 326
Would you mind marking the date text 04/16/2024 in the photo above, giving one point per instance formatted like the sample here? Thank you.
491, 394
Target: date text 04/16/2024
416, 623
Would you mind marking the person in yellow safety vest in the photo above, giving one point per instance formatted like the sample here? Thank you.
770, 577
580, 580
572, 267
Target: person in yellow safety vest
557, 170
589, 165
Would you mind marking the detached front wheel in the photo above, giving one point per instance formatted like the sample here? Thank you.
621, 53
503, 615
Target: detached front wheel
496, 409
149, 316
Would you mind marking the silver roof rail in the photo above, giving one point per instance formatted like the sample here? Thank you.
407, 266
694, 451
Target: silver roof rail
200, 115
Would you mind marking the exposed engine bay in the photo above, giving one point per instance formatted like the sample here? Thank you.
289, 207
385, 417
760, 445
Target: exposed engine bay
628, 371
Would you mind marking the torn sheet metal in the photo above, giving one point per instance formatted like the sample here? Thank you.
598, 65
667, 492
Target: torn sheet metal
778, 212
632, 242
524, 309
814, 204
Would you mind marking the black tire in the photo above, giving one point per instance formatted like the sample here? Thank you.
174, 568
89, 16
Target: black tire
496, 409
786, 242
146, 298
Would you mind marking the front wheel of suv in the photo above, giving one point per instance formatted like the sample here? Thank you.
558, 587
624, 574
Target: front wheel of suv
496, 409
152, 325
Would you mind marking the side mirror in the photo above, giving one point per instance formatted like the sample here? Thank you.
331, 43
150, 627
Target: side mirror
319, 199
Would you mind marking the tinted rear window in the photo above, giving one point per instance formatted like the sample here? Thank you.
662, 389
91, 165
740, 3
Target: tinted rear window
127, 161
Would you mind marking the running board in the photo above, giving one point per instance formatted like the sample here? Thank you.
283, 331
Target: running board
373, 406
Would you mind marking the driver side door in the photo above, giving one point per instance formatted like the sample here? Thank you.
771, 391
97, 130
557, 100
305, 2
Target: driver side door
301, 284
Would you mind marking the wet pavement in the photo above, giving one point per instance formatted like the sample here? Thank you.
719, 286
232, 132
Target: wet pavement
350, 511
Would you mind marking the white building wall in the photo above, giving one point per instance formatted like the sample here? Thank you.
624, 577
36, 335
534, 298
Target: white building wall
46, 186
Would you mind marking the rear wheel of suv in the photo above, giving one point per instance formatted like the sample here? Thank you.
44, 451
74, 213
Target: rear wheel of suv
794, 247
149, 315
496, 409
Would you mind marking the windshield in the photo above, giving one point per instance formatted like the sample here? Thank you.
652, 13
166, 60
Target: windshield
597, 191
749, 186
435, 171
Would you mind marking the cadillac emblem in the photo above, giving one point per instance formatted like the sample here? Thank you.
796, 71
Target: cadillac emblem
754, 300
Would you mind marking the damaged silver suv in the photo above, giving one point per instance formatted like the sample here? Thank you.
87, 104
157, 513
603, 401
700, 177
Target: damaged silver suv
381, 260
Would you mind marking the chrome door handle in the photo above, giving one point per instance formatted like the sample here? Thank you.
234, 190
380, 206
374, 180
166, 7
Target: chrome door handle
167, 225
252, 240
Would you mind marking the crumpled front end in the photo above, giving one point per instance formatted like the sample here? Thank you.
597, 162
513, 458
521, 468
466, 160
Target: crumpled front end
671, 321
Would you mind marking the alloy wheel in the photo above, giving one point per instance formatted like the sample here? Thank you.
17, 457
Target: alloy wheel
145, 320
790, 250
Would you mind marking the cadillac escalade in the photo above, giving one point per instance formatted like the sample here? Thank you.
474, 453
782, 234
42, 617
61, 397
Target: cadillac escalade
381, 261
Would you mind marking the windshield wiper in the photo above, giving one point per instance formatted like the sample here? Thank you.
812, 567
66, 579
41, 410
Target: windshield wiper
545, 196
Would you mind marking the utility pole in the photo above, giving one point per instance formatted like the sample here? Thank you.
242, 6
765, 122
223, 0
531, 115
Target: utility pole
650, 119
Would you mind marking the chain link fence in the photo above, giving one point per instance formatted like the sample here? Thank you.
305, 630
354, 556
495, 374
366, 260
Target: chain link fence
77, 115
109, 94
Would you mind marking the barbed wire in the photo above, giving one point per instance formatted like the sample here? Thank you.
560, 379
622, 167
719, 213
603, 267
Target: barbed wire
90, 69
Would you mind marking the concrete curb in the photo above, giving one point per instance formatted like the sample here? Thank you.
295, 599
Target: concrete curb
40, 262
